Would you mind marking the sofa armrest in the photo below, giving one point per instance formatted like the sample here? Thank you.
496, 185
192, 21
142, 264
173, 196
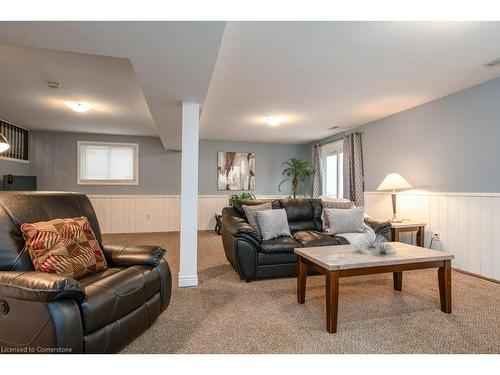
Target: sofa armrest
127, 256
380, 227
235, 224
39, 287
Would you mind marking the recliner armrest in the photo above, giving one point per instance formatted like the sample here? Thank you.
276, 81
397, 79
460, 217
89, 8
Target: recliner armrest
127, 256
39, 287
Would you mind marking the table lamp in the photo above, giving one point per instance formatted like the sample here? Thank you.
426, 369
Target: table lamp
394, 182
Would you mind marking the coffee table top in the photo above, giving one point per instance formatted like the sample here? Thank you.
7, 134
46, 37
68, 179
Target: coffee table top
341, 257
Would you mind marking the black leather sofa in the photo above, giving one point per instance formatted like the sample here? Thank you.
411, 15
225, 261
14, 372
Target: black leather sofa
256, 259
101, 313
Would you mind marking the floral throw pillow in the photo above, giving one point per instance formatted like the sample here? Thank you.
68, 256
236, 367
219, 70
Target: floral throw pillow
66, 247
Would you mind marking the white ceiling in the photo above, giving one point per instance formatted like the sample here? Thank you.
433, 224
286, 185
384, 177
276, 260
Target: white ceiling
325, 74
173, 61
315, 74
108, 84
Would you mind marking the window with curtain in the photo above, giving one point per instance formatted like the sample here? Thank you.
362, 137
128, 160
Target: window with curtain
101, 163
333, 161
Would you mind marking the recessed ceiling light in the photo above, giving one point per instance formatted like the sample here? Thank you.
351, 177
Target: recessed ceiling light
78, 106
493, 62
273, 120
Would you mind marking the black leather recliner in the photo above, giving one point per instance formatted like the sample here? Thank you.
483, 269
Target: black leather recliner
256, 259
101, 313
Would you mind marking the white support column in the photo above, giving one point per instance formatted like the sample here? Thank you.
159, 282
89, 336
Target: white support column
188, 270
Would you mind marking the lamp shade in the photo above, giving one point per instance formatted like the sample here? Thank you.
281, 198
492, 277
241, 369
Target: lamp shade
393, 182
4, 144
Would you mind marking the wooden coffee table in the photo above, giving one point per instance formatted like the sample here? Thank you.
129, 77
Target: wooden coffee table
341, 261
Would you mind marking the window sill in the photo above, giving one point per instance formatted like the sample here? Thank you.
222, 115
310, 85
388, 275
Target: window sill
96, 182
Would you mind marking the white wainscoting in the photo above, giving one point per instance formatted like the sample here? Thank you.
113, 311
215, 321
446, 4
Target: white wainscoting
468, 224
153, 213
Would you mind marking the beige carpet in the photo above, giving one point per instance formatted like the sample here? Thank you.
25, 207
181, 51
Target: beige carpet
226, 315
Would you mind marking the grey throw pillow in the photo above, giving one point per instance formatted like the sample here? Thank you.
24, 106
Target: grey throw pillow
337, 204
345, 220
273, 223
251, 213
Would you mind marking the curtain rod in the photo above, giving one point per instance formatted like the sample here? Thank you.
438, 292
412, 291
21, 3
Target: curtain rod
336, 137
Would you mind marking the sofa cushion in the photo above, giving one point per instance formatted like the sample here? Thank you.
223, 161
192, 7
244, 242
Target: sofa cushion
298, 209
302, 214
268, 259
279, 245
296, 226
90, 279
112, 294
312, 238
67, 247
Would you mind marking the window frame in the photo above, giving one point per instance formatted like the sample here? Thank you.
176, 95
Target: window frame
80, 181
330, 149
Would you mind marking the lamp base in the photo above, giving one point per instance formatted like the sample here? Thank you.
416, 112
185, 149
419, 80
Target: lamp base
394, 219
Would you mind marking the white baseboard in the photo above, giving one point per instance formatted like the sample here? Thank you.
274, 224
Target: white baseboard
187, 281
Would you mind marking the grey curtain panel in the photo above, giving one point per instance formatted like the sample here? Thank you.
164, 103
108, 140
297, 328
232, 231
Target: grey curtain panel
353, 169
317, 179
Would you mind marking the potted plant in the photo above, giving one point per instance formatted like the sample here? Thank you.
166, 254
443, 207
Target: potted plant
297, 172
240, 197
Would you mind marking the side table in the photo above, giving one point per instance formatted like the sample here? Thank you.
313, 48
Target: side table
218, 223
409, 226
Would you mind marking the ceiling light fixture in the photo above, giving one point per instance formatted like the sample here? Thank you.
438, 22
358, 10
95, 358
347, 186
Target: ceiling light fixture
493, 62
4, 144
54, 84
273, 120
78, 106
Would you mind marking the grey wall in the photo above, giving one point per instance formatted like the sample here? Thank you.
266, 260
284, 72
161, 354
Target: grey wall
53, 161
451, 144
268, 159
13, 167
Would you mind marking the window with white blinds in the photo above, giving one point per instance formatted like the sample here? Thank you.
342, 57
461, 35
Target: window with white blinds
101, 163
333, 176
18, 139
